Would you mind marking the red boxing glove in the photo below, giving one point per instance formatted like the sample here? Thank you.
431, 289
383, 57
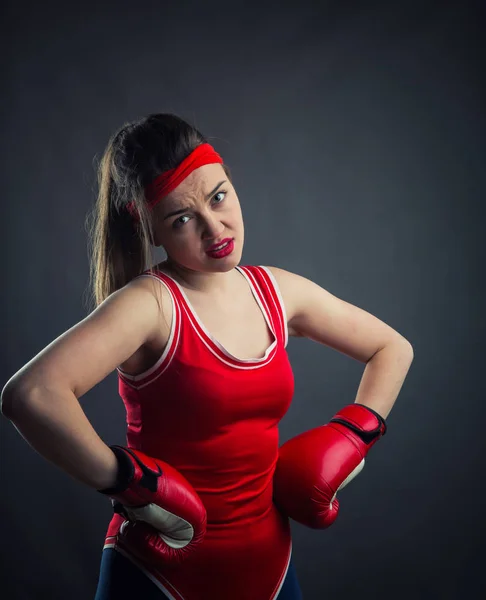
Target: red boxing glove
313, 466
166, 517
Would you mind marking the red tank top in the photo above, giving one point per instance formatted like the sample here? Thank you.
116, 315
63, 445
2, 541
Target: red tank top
214, 417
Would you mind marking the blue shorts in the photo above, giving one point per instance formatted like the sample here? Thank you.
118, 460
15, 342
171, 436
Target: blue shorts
120, 579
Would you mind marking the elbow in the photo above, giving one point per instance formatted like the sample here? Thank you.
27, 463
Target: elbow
6, 401
13, 395
406, 345
410, 349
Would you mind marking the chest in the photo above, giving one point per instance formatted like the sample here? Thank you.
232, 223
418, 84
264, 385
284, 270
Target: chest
240, 327
237, 324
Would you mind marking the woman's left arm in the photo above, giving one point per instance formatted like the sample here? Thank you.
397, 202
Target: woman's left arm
314, 313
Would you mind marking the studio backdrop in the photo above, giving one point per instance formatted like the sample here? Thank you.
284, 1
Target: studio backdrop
355, 134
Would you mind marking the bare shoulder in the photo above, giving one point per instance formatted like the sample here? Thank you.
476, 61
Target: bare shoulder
158, 302
281, 275
91, 349
286, 281
315, 313
151, 285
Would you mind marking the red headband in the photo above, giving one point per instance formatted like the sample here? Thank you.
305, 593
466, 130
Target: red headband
204, 154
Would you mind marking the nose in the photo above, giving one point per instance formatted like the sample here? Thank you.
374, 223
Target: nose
212, 226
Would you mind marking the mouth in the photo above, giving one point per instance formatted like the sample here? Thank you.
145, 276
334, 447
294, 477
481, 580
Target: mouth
222, 250
219, 245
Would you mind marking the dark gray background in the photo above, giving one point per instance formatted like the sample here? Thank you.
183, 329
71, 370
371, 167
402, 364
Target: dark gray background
356, 136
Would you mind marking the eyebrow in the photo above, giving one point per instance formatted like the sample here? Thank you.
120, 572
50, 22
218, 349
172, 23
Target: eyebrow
182, 210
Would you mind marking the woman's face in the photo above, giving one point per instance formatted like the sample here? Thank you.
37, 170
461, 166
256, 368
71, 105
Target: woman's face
203, 210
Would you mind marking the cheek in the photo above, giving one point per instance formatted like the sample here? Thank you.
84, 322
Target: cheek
235, 208
239, 215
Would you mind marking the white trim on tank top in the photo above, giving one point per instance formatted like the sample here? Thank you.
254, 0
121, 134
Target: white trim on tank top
214, 340
175, 316
282, 305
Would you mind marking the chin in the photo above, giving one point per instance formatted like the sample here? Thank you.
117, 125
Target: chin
208, 264
222, 265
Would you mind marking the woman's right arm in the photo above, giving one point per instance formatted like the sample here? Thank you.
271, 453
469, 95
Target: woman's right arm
41, 399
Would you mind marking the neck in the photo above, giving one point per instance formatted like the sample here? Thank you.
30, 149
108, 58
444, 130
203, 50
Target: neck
209, 283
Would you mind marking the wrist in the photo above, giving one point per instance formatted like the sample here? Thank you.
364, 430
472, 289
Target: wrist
118, 474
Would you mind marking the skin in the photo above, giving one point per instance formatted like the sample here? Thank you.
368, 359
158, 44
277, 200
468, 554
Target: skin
186, 236
311, 311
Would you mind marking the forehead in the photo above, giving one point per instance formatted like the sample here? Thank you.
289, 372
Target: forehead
198, 183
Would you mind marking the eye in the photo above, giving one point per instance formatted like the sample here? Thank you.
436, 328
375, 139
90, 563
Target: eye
178, 223
218, 194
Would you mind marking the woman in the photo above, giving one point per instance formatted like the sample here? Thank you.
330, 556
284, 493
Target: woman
199, 346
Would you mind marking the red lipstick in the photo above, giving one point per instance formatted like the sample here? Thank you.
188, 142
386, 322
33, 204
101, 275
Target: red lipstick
226, 247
